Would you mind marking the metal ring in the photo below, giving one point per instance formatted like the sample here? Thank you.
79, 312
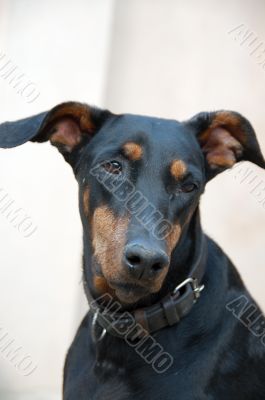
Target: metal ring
93, 331
182, 284
197, 289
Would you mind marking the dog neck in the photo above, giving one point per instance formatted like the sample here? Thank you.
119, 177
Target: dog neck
186, 256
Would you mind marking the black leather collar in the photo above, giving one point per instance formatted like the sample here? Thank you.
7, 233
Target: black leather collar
167, 312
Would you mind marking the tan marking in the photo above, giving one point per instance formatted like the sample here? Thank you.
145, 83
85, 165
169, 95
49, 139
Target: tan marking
67, 123
108, 239
133, 151
86, 201
221, 148
173, 238
101, 285
189, 216
77, 111
178, 169
223, 140
158, 282
67, 133
230, 122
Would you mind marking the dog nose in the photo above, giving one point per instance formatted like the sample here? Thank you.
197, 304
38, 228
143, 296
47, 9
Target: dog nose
144, 263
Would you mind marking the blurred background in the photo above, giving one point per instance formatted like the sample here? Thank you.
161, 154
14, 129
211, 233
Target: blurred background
166, 58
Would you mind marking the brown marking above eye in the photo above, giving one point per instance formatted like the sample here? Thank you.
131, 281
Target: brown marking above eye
86, 201
132, 151
178, 169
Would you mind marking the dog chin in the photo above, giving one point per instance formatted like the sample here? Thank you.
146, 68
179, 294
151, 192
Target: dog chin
128, 297
129, 294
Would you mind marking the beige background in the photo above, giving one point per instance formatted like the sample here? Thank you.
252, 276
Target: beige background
160, 57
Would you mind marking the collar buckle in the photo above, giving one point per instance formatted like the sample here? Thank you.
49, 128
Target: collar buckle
197, 289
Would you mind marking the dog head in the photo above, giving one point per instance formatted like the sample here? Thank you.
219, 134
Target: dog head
140, 180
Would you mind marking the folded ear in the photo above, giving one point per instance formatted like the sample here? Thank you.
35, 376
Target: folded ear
68, 126
225, 137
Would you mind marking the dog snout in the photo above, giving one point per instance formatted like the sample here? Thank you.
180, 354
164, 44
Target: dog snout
143, 262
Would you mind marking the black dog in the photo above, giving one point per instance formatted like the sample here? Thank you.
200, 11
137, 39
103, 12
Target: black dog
152, 331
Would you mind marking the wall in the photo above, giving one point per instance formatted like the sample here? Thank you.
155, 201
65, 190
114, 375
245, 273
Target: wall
166, 58
174, 59
63, 47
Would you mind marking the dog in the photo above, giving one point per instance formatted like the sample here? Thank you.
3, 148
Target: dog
169, 315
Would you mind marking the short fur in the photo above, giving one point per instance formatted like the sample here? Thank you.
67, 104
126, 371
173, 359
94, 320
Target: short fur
169, 163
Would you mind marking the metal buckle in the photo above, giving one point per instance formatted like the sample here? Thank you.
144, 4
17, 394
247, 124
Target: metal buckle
96, 338
197, 289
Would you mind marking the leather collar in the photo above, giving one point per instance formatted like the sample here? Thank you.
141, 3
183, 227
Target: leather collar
167, 312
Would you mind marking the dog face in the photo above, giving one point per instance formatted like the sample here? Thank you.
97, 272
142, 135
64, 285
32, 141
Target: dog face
140, 180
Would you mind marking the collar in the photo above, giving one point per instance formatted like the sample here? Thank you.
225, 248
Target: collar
167, 312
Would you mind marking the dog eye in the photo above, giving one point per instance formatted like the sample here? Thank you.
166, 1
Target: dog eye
188, 187
112, 167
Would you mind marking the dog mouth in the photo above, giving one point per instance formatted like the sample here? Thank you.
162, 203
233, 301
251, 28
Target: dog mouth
128, 292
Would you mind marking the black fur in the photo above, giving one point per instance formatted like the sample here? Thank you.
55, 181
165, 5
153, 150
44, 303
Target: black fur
215, 355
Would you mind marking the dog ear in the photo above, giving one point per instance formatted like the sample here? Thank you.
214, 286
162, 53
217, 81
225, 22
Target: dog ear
68, 126
225, 137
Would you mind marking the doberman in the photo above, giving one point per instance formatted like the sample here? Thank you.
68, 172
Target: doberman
169, 316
